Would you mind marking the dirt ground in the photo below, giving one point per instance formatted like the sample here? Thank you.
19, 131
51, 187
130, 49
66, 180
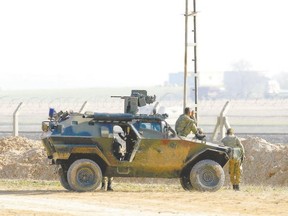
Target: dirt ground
147, 201
22, 159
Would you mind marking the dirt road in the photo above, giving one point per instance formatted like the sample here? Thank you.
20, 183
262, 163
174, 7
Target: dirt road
249, 201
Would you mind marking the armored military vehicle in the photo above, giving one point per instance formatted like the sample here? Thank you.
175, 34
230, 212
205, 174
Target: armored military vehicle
86, 147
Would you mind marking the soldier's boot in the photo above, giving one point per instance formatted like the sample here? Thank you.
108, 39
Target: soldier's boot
237, 188
234, 188
109, 188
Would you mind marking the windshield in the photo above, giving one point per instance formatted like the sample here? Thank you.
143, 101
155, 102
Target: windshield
156, 126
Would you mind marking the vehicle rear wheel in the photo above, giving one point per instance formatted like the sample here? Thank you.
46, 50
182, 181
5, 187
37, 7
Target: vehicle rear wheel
84, 175
186, 183
207, 175
63, 179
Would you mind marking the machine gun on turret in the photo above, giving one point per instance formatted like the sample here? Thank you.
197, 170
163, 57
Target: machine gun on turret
138, 98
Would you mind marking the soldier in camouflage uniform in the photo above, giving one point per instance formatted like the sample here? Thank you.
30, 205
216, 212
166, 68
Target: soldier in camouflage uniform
236, 157
186, 123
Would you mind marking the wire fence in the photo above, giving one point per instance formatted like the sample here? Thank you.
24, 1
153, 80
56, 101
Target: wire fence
245, 116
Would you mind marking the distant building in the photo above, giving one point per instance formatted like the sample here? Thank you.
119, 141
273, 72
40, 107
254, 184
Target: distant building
238, 84
273, 87
177, 79
245, 84
210, 79
210, 84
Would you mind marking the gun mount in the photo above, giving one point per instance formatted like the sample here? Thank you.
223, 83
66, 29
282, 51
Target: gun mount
138, 98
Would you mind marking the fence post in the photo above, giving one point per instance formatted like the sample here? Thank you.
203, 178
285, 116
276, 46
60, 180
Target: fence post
83, 106
15, 119
222, 121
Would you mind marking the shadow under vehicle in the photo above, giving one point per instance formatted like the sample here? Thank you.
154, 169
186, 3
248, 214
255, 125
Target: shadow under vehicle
89, 146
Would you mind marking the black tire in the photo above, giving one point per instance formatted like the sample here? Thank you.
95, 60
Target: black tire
63, 179
207, 175
84, 175
186, 183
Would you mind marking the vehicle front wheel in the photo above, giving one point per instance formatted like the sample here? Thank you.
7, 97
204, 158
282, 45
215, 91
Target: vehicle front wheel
207, 175
84, 175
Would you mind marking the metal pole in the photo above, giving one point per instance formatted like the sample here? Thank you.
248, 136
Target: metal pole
83, 106
195, 61
15, 119
185, 55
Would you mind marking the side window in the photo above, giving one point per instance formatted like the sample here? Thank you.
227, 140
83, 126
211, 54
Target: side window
156, 126
104, 131
74, 122
136, 125
144, 126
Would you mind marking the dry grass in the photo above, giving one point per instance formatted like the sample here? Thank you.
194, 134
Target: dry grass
133, 186
22, 184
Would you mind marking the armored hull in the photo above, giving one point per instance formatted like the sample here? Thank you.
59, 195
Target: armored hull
90, 146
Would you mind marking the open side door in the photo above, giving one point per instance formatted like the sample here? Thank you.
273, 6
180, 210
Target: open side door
136, 145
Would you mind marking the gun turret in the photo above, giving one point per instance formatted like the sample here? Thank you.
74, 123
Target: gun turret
138, 98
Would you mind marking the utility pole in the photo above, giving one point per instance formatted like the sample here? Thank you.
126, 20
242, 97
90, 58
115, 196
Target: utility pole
185, 55
187, 45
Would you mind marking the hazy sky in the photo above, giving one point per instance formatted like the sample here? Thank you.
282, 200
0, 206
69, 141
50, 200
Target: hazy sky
48, 44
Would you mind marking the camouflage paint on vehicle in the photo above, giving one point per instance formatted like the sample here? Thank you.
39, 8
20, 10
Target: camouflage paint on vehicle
89, 146
78, 137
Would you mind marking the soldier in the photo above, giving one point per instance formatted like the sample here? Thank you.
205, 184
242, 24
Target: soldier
107, 183
236, 157
186, 123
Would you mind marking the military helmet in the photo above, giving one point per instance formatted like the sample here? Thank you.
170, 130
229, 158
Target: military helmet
230, 131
